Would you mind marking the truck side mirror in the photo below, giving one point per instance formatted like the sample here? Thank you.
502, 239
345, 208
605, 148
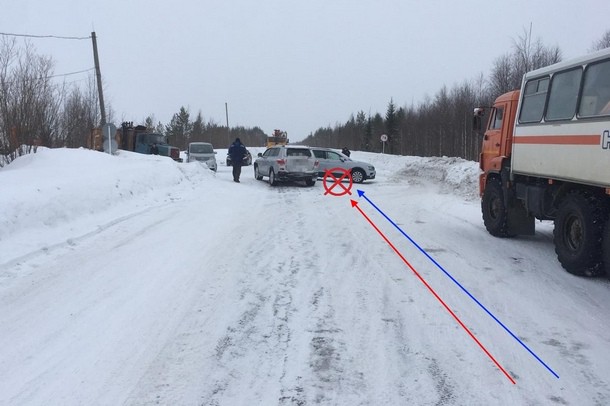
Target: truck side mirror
477, 124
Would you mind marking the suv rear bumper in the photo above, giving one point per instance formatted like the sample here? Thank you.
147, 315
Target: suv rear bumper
281, 175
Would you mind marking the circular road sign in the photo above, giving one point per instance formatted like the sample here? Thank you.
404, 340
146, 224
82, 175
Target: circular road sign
384, 138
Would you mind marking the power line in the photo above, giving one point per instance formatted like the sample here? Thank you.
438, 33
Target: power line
56, 76
71, 73
42, 36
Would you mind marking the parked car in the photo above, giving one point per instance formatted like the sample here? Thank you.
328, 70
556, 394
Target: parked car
330, 159
202, 152
247, 159
282, 163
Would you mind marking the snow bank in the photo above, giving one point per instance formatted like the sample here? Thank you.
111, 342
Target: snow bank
62, 187
455, 175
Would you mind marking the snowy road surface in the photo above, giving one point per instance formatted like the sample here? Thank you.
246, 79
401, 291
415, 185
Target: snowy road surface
134, 280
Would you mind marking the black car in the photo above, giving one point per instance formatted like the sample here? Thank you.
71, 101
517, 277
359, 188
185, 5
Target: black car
247, 159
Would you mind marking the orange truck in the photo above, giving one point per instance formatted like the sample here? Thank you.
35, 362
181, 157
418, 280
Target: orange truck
546, 156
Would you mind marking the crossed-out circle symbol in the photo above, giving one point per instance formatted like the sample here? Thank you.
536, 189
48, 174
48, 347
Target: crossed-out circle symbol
337, 181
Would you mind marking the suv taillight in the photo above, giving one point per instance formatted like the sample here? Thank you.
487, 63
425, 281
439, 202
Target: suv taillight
281, 162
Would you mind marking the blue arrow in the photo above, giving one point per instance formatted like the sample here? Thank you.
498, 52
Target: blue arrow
361, 194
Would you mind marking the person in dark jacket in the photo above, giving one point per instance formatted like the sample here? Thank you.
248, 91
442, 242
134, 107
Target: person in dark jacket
154, 149
237, 152
345, 151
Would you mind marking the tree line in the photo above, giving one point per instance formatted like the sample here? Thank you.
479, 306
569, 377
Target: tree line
36, 110
442, 125
182, 129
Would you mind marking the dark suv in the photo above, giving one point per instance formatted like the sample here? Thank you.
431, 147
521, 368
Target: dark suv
282, 163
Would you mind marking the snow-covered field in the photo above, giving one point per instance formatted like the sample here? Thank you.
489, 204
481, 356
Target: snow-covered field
135, 280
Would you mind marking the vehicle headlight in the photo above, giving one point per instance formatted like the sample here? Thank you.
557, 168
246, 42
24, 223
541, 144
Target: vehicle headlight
371, 168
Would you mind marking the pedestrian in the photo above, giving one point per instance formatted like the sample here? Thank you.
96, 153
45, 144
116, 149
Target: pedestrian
237, 152
154, 149
345, 151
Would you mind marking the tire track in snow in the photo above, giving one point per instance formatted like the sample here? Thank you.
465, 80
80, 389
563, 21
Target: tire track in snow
268, 290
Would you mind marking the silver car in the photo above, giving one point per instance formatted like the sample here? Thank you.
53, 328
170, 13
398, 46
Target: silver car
329, 159
202, 152
287, 163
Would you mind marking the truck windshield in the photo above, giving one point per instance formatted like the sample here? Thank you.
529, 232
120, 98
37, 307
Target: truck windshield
155, 139
202, 149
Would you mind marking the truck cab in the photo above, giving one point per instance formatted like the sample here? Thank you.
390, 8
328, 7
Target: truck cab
139, 139
497, 140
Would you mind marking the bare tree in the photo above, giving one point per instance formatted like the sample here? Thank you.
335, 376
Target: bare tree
509, 69
602, 43
79, 115
503, 78
8, 53
30, 104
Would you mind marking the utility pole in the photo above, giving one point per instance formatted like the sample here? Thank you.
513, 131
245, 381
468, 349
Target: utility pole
98, 73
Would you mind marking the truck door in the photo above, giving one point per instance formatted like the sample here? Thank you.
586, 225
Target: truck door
492, 140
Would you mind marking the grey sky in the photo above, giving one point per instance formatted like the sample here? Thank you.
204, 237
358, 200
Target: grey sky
291, 65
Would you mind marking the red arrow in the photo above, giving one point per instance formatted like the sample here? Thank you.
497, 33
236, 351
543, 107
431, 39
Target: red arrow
355, 204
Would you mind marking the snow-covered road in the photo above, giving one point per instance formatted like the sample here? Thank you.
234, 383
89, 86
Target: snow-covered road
184, 288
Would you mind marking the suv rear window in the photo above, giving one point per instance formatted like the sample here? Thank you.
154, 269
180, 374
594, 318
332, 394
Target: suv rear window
298, 152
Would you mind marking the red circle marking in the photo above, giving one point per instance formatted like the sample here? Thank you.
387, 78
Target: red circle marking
337, 181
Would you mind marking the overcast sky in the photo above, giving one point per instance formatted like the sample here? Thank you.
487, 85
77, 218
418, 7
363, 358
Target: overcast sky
291, 65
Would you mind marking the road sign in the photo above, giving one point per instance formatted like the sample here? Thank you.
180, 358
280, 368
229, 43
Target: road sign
384, 139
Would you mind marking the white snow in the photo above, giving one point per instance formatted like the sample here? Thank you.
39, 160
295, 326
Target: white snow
136, 280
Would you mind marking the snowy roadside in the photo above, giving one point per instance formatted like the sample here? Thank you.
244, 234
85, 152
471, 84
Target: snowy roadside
54, 195
59, 194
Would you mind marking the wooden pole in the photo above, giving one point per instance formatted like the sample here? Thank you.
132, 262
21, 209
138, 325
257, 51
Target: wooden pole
98, 74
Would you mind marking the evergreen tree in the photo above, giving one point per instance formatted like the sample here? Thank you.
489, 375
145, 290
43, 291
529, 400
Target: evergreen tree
179, 129
361, 127
149, 122
391, 128
377, 128
198, 129
160, 128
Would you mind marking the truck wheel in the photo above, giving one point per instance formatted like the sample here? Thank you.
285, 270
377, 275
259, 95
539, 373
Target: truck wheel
357, 176
310, 182
579, 227
272, 180
495, 215
257, 175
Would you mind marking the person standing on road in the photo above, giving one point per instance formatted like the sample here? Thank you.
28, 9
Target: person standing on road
345, 151
237, 152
